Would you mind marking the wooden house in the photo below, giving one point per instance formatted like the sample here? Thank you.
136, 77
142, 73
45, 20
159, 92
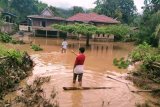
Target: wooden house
41, 24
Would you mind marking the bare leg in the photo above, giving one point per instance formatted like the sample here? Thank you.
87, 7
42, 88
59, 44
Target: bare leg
74, 78
80, 83
62, 50
74, 81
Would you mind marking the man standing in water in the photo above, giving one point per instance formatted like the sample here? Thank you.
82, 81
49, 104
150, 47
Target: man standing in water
64, 46
78, 66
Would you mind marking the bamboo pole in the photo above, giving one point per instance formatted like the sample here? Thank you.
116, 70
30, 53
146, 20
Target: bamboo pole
85, 88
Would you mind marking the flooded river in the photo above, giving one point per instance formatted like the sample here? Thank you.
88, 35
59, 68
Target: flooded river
99, 64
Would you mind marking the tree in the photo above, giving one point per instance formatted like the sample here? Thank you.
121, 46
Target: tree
77, 9
153, 5
40, 6
157, 34
84, 29
121, 9
23, 8
4, 4
120, 31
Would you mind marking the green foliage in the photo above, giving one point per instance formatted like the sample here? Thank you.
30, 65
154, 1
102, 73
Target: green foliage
150, 59
4, 4
119, 31
5, 38
84, 29
144, 53
36, 47
22, 8
13, 54
122, 9
121, 63
147, 28
77, 9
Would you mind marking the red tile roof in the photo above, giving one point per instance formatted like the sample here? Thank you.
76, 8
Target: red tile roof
92, 17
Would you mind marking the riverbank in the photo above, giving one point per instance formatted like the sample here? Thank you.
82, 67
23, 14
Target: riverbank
147, 76
14, 67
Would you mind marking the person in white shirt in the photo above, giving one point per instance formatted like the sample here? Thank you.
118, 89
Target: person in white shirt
64, 46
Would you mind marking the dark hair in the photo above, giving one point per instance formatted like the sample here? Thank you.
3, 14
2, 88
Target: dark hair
82, 49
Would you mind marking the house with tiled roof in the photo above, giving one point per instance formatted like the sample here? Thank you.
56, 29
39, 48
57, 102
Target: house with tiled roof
92, 18
41, 24
95, 19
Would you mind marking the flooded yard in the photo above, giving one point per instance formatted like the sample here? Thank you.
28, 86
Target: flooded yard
98, 65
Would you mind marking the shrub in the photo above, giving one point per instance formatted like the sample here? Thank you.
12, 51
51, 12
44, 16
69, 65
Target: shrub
121, 63
5, 38
36, 47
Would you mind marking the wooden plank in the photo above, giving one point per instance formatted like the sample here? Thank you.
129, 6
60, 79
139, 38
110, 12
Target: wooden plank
85, 88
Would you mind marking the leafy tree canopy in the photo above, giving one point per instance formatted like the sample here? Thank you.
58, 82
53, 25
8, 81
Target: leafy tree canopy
122, 9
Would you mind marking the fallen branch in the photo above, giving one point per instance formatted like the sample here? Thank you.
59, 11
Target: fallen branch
155, 90
117, 79
85, 88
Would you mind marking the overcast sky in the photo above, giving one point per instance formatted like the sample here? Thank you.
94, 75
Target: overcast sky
83, 3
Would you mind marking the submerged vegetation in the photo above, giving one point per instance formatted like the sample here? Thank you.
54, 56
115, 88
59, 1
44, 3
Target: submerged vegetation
36, 47
121, 63
14, 66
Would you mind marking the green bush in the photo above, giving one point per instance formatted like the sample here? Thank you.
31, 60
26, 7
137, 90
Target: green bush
150, 59
121, 63
13, 54
36, 47
145, 53
5, 38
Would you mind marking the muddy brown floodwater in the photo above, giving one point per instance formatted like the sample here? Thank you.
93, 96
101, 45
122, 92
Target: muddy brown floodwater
99, 63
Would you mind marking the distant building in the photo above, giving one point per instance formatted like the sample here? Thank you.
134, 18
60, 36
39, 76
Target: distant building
9, 20
8, 17
41, 24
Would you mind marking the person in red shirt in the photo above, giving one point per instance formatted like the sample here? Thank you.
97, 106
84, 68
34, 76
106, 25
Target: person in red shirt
78, 66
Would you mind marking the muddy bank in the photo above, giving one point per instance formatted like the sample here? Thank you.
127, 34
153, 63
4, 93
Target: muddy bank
14, 66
